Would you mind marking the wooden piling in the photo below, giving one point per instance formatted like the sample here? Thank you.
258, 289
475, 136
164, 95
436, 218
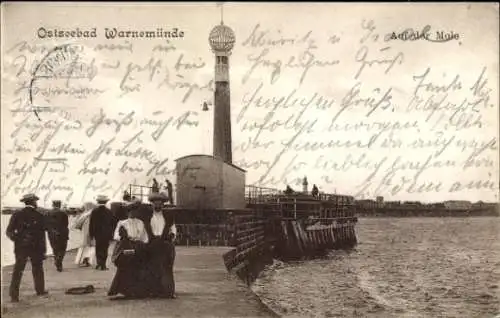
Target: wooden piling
337, 236
316, 232
305, 238
320, 243
332, 236
328, 238
297, 238
285, 238
310, 239
321, 239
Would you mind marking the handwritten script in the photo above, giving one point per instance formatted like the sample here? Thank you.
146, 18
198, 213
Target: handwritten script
333, 100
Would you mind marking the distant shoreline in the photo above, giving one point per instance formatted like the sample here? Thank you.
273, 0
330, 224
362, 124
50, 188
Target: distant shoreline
395, 212
366, 216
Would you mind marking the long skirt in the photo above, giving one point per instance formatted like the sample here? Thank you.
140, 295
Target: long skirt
161, 268
130, 278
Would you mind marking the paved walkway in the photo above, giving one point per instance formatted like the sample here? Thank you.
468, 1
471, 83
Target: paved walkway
203, 286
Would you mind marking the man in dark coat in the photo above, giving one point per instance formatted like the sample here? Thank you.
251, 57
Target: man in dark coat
170, 192
162, 233
156, 187
27, 230
101, 229
289, 190
126, 196
58, 233
315, 191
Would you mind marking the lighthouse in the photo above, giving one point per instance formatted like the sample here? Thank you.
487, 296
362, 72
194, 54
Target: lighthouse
213, 182
221, 41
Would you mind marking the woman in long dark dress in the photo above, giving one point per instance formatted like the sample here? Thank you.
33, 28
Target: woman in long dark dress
161, 248
129, 257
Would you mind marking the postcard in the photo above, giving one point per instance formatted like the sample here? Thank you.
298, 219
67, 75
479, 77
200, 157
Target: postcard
214, 103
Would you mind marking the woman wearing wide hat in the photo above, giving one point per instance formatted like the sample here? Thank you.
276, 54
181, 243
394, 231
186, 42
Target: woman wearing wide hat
162, 234
86, 253
129, 256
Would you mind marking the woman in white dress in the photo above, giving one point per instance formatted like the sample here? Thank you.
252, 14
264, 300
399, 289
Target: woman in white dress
129, 256
86, 252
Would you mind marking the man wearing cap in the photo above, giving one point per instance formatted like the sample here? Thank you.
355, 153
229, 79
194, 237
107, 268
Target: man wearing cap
27, 230
101, 229
162, 233
58, 233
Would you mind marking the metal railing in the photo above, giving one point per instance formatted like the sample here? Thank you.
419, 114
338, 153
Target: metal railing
139, 191
256, 195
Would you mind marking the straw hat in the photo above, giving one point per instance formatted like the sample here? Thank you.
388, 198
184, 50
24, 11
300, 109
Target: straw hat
155, 197
29, 197
102, 199
134, 202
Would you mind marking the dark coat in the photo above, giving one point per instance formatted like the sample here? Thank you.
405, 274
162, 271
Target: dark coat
27, 229
57, 223
148, 214
161, 257
102, 223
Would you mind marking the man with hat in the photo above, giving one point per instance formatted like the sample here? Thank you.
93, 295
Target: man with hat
101, 229
58, 233
162, 232
27, 230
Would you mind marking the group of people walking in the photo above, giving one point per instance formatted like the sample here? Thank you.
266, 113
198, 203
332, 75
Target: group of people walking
144, 254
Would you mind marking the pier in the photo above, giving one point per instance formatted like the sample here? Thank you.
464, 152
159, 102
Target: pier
204, 289
223, 228
220, 252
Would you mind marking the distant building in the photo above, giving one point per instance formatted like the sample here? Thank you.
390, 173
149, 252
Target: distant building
457, 205
366, 204
392, 203
438, 205
412, 203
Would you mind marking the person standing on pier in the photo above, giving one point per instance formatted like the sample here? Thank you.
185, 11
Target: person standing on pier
289, 190
86, 253
156, 187
170, 191
315, 191
162, 233
101, 229
126, 196
27, 230
58, 233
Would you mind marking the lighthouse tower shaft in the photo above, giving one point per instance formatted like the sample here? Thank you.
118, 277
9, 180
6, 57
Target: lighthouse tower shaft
221, 41
222, 146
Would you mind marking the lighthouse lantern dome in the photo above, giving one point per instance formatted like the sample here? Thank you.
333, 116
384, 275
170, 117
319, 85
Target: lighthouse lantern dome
221, 38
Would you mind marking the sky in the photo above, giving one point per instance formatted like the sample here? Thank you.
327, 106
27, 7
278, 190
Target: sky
334, 92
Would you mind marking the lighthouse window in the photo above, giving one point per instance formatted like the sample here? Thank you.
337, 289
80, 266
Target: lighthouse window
221, 59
